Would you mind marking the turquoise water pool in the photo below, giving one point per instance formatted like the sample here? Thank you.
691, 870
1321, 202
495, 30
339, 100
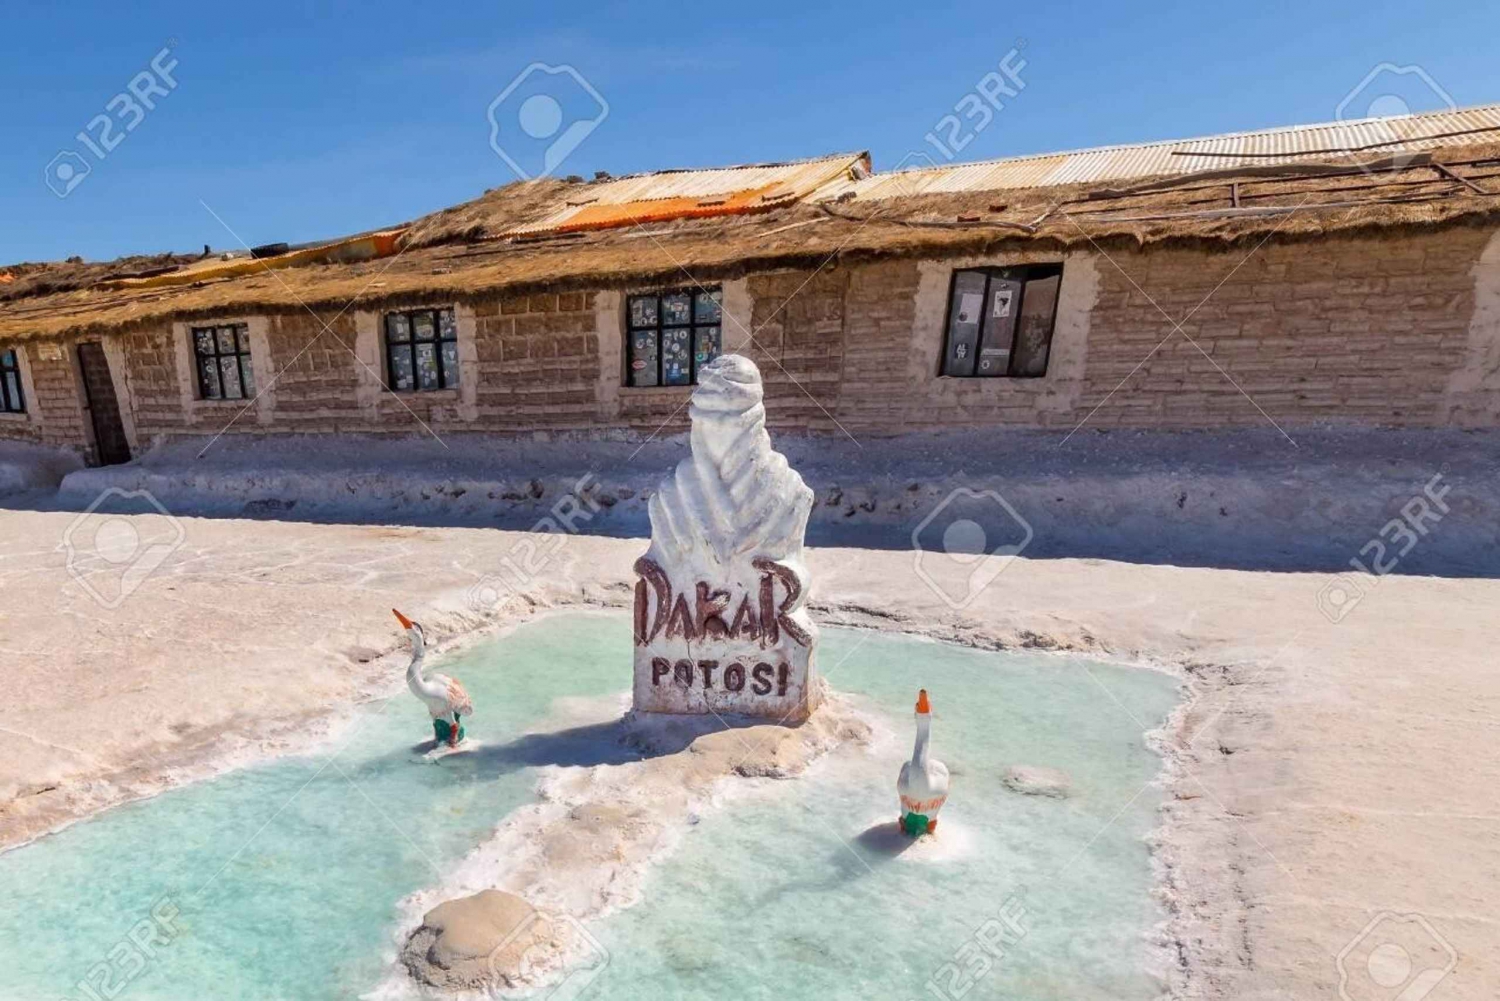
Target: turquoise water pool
282, 880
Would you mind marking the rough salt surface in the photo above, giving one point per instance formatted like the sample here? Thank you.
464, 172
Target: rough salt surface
811, 896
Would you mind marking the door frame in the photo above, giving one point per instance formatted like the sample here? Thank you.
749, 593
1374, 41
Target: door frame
93, 408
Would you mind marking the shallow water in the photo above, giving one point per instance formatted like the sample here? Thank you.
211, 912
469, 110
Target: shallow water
805, 891
285, 876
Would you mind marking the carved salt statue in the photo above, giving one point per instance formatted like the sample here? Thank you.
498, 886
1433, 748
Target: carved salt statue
719, 619
923, 783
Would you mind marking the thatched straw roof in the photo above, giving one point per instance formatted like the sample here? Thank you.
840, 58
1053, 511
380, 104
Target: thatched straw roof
19, 281
464, 251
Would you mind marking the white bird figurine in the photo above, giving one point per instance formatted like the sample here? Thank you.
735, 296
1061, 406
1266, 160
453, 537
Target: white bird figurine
923, 785
444, 697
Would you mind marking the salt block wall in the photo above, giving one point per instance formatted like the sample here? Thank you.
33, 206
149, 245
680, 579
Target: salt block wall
1375, 331
55, 411
1392, 331
536, 362
154, 392
798, 336
319, 375
1368, 331
527, 362
1472, 395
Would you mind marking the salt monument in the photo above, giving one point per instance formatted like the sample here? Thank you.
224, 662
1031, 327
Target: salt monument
720, 622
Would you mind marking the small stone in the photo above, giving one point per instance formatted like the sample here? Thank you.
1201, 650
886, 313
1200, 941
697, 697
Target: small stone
1033, 780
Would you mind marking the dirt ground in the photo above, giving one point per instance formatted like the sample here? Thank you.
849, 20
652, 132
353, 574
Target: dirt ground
1334, 774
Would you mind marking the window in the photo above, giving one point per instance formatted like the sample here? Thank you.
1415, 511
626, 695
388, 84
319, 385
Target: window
421, 350
223, 355
672, 335
11, 399
1000, 321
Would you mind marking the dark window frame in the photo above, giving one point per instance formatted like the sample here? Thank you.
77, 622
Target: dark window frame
10, 364
395, 348
1025, 274
660, 326
241, 354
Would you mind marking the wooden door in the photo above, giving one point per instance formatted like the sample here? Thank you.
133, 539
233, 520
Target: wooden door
110, 443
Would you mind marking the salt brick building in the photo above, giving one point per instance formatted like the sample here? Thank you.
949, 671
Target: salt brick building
1342, 274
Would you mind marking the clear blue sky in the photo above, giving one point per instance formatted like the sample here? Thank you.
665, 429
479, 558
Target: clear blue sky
301, 121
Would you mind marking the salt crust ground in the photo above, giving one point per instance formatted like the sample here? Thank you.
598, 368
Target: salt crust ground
1321, 773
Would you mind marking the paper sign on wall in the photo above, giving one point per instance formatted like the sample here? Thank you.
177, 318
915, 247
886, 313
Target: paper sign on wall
1002, 303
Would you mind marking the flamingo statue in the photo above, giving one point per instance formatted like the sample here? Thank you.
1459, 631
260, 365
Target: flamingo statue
444, 697
923, 784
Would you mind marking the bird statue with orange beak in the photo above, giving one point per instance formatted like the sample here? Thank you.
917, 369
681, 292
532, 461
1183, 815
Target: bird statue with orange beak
444, 697
923, 783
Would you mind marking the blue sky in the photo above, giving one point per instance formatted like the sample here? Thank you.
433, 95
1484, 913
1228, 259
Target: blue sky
301, 121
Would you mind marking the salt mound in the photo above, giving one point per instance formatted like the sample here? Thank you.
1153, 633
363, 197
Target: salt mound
1034, 780
492, 937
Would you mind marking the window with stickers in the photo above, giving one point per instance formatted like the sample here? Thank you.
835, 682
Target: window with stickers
421, 350
222, 354
671, 335
1000, 321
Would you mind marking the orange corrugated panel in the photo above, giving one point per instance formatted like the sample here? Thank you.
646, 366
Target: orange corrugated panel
663, 209
689, 194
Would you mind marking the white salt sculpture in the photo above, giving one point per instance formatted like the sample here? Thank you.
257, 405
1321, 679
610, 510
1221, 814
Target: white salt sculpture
720, 623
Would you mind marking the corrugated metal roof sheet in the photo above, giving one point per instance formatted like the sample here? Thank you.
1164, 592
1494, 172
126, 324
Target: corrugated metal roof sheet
1114, 163
679, 194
